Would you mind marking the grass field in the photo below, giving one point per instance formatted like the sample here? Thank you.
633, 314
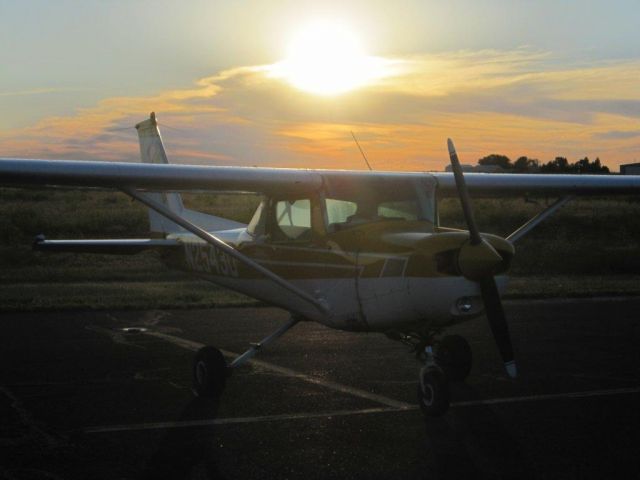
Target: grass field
590, 247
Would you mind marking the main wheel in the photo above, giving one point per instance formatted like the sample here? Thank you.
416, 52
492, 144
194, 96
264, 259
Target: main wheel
453, 355
210, 372
433, 392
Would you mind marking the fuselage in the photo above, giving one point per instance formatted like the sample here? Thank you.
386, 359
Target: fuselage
371, 251
401, 279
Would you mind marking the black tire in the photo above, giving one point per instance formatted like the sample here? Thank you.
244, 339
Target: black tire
210, 372
453, 355
433, 392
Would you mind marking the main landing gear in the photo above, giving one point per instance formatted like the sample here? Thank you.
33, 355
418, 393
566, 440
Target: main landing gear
447, 360
210, 369
210, 372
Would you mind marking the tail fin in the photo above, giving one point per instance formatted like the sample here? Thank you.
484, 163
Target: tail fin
152, 151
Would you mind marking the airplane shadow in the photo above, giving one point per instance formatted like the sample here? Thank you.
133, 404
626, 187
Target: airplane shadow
467, 442
472, 442
185, 450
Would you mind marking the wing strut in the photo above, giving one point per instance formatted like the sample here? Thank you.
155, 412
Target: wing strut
538, 219
228, 249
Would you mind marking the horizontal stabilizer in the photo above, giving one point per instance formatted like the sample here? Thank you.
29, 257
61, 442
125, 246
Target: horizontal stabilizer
115, 246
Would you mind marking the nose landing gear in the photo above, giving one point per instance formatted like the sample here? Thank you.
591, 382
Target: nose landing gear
433, 387
446, 360
451, 361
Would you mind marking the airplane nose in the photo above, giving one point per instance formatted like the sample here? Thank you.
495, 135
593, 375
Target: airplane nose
478, 261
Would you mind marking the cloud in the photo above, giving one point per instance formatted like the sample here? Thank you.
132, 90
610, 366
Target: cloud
617, 134
517, 102
40, 91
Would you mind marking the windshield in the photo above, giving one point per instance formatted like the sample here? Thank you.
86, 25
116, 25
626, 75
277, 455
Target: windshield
350, 202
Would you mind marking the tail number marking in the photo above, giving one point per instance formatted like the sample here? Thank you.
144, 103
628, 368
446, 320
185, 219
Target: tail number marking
208, 259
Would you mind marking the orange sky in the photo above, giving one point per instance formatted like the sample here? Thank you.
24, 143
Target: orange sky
508, 99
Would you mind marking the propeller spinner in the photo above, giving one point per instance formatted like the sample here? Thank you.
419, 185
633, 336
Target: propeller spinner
478, 261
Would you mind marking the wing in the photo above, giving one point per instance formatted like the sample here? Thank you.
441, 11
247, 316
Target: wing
172, 177
501, 184
167, 177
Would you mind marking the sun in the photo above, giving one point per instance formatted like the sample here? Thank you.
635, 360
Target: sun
327, 58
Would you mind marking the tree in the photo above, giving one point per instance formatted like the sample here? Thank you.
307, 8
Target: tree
525, 164
596, 167
600, 168
584, 165
495, 159
558, 165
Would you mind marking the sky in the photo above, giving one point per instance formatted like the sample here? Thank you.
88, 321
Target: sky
284, 83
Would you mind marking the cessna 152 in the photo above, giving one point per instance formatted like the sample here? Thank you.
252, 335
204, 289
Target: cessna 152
353, 250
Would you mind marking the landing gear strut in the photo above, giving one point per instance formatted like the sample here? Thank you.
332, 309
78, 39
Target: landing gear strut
433, 387
451, 361
446, 360
210, 369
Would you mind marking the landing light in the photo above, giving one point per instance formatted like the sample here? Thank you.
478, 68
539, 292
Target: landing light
464, 304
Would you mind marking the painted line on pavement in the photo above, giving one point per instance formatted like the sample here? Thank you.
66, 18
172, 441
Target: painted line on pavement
550, 396
343, 413
356, 392
236, 420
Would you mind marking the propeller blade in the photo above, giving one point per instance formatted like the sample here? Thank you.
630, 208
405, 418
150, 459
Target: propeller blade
476, 263
498, 323
465, 200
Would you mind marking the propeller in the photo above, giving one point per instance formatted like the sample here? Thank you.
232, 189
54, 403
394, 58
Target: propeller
478, 261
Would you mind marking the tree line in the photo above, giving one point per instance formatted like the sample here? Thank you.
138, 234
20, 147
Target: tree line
532, 165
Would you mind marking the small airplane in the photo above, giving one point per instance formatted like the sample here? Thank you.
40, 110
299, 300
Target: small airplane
352, 250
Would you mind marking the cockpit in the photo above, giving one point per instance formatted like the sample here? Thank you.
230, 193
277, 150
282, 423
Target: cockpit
349, 203
346, 203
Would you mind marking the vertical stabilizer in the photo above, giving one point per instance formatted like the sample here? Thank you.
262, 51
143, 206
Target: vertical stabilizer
152, 151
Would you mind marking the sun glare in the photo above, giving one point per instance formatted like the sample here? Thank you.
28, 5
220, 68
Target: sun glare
328, 59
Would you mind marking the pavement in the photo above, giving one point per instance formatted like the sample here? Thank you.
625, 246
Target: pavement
106, 395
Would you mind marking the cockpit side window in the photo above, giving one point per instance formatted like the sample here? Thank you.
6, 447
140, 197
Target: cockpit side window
402, 209
352, 201
292, 219
339, 211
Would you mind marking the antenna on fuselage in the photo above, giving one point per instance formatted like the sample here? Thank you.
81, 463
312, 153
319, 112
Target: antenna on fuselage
362, 152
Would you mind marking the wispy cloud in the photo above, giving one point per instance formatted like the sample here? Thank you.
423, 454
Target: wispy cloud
618, 134
517, 102
41, 91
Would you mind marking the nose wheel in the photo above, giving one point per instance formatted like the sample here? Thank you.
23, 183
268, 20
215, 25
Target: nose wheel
451, 361
433, 391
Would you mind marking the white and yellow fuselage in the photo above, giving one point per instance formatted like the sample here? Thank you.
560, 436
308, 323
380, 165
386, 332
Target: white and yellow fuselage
397, 280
